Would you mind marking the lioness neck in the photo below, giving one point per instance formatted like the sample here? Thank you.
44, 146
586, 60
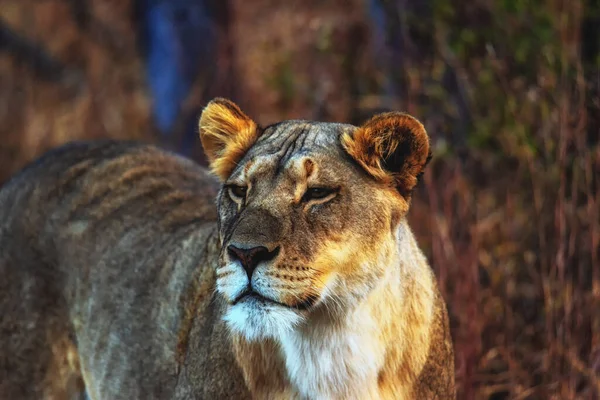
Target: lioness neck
376, 350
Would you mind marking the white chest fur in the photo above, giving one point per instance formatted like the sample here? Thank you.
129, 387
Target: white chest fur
335, 363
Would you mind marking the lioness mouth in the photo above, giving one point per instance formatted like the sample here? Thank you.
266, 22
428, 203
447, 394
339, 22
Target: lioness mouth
251, 294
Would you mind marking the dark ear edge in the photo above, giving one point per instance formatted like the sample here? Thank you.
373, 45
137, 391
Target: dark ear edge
392, 147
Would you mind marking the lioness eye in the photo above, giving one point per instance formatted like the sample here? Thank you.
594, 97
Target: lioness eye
238, 191
317, 193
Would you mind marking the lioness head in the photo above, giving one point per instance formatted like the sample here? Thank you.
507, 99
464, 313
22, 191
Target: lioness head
308, 212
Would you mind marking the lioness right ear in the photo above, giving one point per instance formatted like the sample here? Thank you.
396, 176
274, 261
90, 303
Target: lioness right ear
226, 134
392, 147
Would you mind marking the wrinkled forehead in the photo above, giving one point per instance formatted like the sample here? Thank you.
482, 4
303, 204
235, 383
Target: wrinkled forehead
291, 147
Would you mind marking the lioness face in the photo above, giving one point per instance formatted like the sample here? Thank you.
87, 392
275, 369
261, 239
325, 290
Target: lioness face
306, 228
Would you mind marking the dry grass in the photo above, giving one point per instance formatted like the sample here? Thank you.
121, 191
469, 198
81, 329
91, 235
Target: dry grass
513, 225
99, 91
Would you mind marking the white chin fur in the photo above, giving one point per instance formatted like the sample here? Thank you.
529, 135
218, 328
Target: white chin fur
255, 319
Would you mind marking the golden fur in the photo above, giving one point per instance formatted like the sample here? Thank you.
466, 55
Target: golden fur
226, 135
362, 281
385, 135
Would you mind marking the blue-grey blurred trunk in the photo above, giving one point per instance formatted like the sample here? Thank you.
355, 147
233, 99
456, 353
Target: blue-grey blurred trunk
179, 41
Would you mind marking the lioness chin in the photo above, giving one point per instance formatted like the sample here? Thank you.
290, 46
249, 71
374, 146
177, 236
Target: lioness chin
120, 280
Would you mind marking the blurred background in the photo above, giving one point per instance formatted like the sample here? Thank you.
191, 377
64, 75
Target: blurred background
509, 209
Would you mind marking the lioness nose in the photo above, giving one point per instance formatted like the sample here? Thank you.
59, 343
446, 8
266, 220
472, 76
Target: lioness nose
249, 258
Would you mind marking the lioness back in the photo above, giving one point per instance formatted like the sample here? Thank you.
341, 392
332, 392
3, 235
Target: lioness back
106, 253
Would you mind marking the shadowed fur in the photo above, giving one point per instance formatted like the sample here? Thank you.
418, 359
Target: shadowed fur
107, 265
121, 280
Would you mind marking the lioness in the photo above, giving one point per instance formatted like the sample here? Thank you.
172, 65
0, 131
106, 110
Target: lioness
120, 280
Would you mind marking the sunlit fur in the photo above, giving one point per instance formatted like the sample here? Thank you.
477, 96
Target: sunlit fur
226, 134
348, 307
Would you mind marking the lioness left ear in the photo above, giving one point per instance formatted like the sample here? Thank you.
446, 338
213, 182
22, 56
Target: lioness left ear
392, 147
226, 134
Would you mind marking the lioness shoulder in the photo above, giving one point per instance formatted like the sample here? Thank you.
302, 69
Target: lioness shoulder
123, 280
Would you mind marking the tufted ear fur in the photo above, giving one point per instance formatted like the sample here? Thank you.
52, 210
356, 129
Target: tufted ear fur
226, 134
392, 147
